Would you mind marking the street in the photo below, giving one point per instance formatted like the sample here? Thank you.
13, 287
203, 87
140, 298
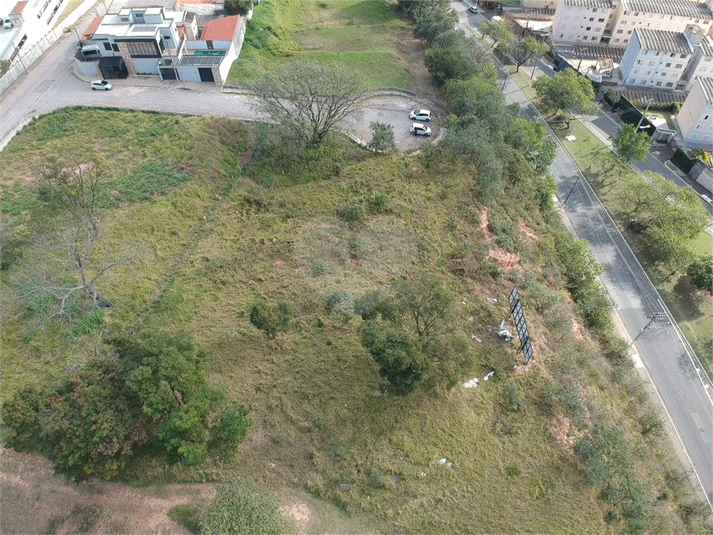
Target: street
682, 387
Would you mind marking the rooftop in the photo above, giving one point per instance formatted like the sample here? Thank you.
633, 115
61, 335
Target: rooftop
222, 29
202, 60
680, 8
663, 41
589, 3
92, 28
706, 83
18, 8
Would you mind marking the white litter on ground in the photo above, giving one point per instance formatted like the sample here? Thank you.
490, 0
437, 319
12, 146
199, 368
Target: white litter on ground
442, 461
473, 337
472, 383
491, 300
637, 360
489, 375
570, 138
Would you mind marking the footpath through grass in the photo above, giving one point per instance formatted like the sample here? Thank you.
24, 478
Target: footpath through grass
692, 310
364, 37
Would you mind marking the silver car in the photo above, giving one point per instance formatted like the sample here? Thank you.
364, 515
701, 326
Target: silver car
102, 85
420, 129
420, 115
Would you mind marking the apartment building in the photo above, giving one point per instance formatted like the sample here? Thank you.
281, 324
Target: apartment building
581, 21
613, 23
695, 120
666, 60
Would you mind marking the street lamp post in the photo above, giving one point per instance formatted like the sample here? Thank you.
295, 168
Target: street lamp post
19, 57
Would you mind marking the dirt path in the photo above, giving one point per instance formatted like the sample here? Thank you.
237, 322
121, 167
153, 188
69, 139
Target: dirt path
35, 500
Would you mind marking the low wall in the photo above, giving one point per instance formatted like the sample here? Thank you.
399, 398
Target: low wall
702, 174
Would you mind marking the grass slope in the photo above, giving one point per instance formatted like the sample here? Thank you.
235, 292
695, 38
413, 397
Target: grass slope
324, 423
361, 36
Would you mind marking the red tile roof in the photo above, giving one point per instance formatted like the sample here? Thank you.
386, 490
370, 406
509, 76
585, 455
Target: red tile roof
18, 8
89, 32
222, 29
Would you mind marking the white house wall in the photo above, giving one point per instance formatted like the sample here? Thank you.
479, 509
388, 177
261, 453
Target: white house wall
225, 65
146, 65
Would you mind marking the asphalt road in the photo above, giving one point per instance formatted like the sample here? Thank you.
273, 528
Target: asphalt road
683, 389
51, 85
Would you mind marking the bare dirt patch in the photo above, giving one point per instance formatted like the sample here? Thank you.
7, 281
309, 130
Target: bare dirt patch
299, 513
527, 231
35, 500
506, 261
560, 432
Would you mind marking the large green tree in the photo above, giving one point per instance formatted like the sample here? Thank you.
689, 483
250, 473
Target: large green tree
565, 91
147, 388
499, 32
631, 145
701, 272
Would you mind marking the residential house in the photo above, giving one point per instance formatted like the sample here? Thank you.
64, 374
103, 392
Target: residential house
155, 41
695, 120
613, 23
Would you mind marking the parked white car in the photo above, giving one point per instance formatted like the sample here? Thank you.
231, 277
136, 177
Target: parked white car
474, 9
6, 24
706, 198
420, 129
101, 85
420, 115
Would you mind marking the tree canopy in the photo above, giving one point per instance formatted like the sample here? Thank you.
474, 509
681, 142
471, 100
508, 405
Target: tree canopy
144, 389
523, 49
701, 273
565, 91
631, 145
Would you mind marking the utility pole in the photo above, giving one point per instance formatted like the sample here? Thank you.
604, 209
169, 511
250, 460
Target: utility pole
656, 317
19, 57
644, 115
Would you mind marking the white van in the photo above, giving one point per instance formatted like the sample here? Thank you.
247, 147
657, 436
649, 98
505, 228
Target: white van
91, 51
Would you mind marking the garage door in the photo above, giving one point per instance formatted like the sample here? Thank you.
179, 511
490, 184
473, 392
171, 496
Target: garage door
206, 74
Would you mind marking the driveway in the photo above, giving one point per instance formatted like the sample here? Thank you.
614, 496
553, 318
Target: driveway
51, 85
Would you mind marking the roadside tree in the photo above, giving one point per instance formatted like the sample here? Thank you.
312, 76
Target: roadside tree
308, 98
565, 91
631, 145
499, 31
238, 7
523, 49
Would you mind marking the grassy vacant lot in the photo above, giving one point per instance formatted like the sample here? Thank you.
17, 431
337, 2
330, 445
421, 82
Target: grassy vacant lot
692, 310
365, 37
241, 225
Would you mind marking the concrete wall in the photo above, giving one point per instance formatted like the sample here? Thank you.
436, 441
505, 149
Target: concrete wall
146, 65
188, 73
90, 68
224, 67
540, 4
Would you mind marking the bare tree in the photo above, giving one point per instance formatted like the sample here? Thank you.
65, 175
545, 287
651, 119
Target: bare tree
73, 188
308, 98
72, 267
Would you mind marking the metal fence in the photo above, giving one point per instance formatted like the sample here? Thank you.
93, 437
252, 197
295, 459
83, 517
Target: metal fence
26, 58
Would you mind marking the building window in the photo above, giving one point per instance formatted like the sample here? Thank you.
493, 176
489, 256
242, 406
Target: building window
652, 63
699, 127
561, 36
600, 20
616, 40
683, 56
622, 31
636, 71
623, 22
591, 19
668, 65
705, 117
589, 28
628, 33
678, 65
658, 84
107, 46
669, 84
115, 47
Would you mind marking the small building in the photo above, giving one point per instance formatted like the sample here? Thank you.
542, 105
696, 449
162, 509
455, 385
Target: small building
695, 120
581, 21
